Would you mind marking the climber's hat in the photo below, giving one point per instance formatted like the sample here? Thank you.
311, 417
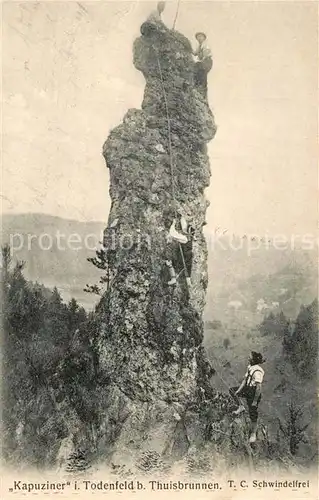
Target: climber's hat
200, 33
161, 6
257, 358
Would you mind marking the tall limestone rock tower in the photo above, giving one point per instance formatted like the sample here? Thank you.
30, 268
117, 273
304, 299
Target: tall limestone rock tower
150, 344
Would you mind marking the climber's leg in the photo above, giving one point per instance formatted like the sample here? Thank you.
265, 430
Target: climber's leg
207, 64
253, 414
253, 432
201, 70
188, 256
204, 83
172, 273
184, 263
175, 256
175, 235
198, 74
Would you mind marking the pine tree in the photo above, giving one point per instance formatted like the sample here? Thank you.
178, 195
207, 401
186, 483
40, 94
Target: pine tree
76, 316
102, 263
303, 345
56, 323
292, 429
274, 324
5, 264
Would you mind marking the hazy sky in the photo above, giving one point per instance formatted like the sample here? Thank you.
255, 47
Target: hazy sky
68, 78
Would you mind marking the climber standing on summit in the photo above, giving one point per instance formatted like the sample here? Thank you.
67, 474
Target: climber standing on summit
156, 15
204, 62
154, 23
250, 389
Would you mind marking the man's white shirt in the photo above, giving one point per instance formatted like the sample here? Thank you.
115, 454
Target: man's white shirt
203, 51
254, 374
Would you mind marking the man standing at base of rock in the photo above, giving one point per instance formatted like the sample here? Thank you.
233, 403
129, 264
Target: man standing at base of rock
250, 389
204, 63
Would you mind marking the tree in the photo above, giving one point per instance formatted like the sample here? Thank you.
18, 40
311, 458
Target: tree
18, 304
101, 261
267, 325
275, 324
302, 346
283, 325
5, 263
76, 315
55, 326
286, 341
293, 430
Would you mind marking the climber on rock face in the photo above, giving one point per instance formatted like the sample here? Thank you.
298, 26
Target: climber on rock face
180, 250
204, 62
250, 389
174, 239
176, 235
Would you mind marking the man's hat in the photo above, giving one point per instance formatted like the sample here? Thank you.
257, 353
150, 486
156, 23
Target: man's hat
257, 357
200, 33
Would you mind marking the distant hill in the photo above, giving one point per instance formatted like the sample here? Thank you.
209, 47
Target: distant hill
56, 252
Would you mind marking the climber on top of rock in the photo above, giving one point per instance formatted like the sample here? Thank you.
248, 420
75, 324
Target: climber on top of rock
204, 62
154, 23
156, 15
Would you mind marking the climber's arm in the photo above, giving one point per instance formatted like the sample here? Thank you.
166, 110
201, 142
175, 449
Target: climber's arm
242, 385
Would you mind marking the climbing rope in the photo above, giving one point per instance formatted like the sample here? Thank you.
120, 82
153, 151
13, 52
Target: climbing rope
170, 153
176, 14
217, 362
169, 132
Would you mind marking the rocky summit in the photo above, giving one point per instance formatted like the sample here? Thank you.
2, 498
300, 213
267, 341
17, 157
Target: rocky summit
150, 342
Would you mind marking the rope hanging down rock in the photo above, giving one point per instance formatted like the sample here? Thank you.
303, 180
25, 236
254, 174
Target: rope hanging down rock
177, 10
170, 154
